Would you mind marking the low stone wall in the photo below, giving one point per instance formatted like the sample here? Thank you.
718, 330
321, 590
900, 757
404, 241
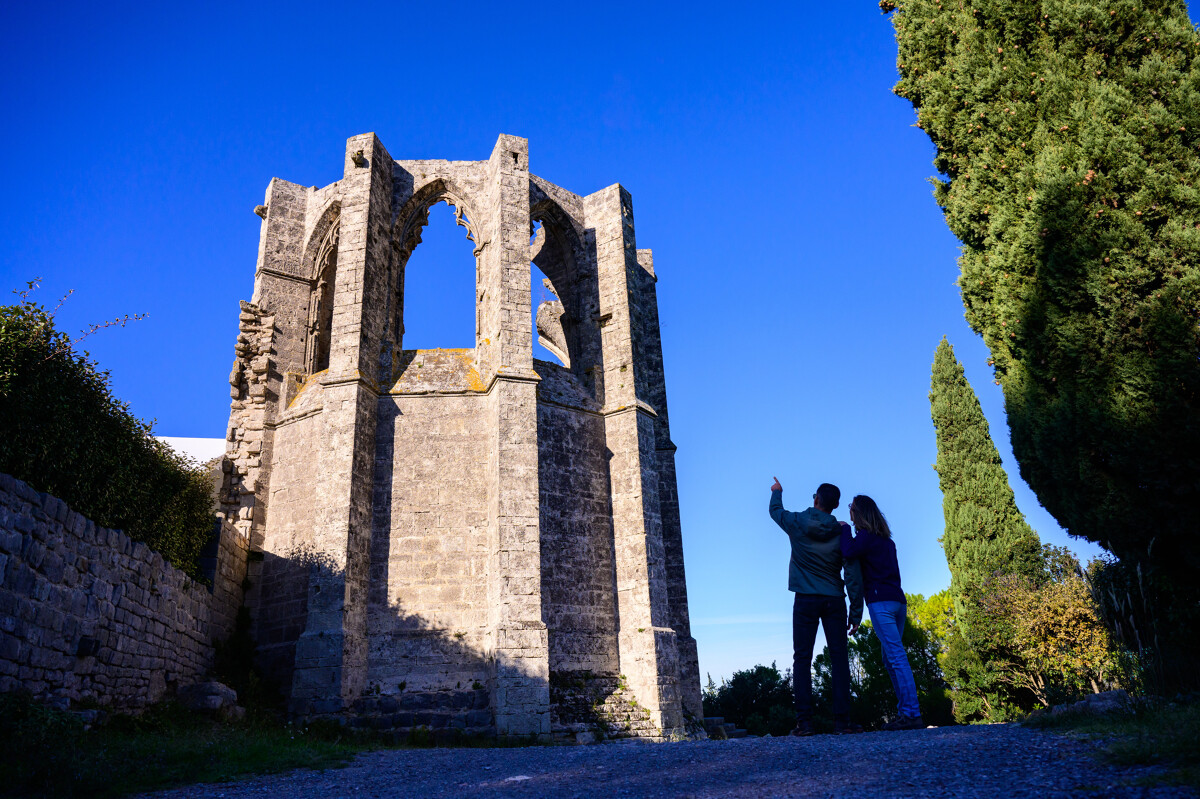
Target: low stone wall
87, 613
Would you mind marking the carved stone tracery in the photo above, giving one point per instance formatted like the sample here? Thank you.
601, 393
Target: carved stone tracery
415, 216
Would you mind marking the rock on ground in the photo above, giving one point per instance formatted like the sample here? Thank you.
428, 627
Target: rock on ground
978, 761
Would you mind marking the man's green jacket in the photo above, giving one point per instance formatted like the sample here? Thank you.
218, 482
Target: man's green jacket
816, 565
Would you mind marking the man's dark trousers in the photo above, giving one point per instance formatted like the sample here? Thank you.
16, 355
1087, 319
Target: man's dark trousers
830, 612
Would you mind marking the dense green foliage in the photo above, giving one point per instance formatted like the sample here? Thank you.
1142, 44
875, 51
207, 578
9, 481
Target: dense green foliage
872, 696
758, 699
1066, 134
1026, 642
985, 532
63, 432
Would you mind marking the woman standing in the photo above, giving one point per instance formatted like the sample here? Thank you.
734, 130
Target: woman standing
872, 545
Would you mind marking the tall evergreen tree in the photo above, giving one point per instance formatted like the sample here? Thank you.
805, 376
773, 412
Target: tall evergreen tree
985, 533
986, 538
1066, 134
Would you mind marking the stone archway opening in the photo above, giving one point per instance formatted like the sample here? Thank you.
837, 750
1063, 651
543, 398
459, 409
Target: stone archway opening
438, 286
546, 308
320, 307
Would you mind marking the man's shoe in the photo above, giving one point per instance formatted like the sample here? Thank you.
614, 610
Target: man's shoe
803, 729
846, 728
905, 723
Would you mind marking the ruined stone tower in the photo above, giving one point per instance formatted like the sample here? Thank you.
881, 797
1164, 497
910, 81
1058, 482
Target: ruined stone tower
440, 536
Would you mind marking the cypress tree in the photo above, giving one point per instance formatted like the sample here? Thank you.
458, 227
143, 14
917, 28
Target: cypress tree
986, 538
1066, 138
985, 533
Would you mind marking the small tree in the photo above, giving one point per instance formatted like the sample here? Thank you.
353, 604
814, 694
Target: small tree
985, 533
1042, 641
986, 536
935, 614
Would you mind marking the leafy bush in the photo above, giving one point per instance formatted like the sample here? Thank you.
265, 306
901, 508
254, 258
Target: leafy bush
1028, 642
758, 699
63, 432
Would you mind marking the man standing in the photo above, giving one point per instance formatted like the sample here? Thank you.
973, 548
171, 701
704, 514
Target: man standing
815, 576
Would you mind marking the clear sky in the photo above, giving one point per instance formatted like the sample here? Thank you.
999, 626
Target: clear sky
805, 273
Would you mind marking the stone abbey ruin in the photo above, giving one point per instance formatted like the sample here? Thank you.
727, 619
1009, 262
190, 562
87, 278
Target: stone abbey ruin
473, 538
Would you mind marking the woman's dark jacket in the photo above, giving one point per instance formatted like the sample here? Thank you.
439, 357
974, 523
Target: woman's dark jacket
880, 571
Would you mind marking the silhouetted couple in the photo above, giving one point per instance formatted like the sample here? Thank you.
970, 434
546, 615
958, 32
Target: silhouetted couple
822, 550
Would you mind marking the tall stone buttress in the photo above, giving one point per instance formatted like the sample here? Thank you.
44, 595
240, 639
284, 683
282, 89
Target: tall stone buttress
442, 536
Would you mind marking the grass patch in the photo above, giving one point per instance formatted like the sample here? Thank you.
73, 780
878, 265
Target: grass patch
45, 752
1166, 735
51, 753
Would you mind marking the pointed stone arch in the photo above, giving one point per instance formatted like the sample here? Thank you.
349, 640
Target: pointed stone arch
569, 325
320, 262
406, 235
415, 215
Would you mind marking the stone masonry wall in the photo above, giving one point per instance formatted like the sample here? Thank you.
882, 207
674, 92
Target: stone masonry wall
578, 594
427, 608
246, 437
278, 595
87, 613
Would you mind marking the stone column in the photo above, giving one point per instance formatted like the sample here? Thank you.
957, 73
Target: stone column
266, 326
331, 654
270, 330
668, 492
647, 642
521, 689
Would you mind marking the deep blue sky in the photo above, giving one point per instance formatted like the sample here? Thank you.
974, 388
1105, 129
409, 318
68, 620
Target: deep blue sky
805, 273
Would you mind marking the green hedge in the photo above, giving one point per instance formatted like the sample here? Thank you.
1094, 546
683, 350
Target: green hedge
63, 432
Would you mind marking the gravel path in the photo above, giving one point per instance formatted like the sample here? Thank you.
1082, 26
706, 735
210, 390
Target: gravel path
975, 761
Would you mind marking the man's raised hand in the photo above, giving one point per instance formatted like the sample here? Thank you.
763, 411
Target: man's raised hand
777, 486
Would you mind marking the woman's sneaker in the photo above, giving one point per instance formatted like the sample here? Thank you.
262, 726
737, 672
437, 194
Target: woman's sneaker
905, 723
803, 729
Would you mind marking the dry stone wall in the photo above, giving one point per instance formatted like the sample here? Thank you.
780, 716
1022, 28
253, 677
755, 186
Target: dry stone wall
86, 613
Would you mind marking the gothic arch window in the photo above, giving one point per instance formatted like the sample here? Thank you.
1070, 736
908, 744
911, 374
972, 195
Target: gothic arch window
320, 303
564, 293
437, 282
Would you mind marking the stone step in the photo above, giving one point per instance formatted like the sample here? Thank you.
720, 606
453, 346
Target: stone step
583, 703
728, 729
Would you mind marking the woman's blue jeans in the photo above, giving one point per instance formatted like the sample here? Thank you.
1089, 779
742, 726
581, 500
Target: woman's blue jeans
888, 619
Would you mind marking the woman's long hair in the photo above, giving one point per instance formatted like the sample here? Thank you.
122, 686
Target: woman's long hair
866, 516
